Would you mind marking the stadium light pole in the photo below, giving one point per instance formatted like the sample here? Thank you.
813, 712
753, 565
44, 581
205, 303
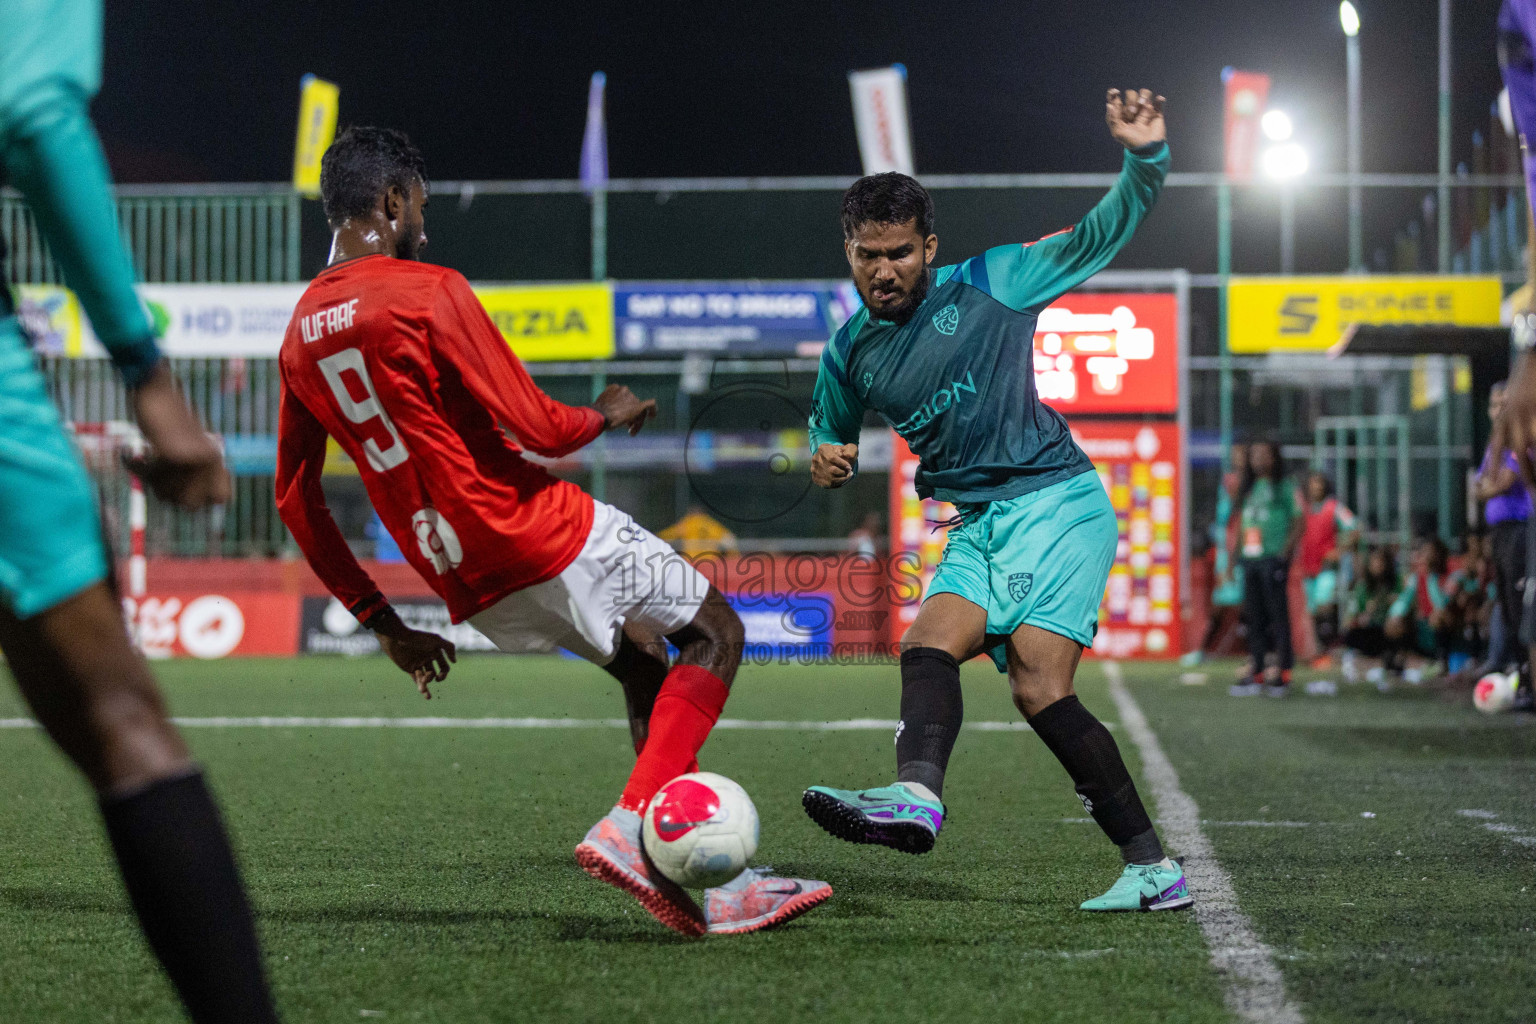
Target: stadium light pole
1349, 20
1284, 161
1443, 210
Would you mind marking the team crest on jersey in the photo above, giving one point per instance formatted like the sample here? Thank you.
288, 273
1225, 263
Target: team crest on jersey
1020, 584
947, 320
869, 381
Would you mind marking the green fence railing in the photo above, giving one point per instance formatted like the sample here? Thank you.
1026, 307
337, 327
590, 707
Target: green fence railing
180, 234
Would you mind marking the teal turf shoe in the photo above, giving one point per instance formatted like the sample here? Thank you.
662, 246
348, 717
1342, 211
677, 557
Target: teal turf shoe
1146, 887
891, 816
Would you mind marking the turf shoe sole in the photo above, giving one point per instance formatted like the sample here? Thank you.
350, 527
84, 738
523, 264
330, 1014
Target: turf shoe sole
609, 855
851, 824
770, 901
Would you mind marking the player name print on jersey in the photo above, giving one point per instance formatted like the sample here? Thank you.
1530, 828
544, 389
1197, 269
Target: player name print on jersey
328, 321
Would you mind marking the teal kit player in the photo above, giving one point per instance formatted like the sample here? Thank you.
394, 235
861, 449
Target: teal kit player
946, 358
61, 624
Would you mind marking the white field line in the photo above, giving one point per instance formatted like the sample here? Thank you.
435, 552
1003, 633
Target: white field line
1255, 988
1232, 824
297, 722
1490, 821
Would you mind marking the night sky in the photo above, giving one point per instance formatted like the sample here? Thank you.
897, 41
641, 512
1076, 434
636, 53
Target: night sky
209, 92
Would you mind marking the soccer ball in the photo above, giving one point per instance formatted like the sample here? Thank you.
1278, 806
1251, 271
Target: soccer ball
700, 830
1495, 693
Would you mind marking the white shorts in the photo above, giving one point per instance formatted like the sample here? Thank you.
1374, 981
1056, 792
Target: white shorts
624, 573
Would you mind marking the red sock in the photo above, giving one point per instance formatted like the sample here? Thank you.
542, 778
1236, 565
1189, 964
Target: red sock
690, 701
693, 765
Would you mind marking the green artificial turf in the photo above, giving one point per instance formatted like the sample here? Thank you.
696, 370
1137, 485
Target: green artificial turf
426, 874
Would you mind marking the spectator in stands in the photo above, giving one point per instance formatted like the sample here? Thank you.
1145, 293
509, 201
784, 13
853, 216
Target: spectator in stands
1426, 619
1367, 607
1329, 527
866, 538
1227, 595
699, 533
1476, 593
1271, 517
1506, 510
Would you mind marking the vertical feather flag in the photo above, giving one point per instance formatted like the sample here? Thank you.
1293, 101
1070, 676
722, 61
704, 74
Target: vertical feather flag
594, 142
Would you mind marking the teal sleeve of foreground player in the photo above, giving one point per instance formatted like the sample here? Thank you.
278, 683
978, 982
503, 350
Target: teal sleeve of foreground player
52, 156
1030, 277
836, 412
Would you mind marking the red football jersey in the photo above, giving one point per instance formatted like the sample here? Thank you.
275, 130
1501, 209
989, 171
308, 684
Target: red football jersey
399, 362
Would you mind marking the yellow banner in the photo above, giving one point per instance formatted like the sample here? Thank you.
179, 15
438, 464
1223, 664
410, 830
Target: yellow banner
1268, 314
51, 316
543, 323
319, 102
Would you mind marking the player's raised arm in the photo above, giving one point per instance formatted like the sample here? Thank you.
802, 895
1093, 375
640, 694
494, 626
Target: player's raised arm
464, 334
1035, 274
836, 413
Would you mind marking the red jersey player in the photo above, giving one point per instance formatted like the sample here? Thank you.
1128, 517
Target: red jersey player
398, 361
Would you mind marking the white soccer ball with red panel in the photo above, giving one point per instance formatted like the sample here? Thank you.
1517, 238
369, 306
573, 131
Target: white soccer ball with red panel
700, 830
1495, 692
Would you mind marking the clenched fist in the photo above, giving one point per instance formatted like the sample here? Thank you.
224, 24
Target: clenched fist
1135, 118
834, 464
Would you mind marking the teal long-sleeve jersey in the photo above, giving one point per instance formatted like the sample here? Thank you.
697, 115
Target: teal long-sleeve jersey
50, 67
957, 380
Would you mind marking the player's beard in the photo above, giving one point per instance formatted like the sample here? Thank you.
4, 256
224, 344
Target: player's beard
903, 312
408, 245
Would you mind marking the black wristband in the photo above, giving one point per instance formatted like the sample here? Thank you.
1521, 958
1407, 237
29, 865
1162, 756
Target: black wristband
383, 618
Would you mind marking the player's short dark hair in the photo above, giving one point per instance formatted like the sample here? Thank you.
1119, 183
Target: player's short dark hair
361, 165
889, 198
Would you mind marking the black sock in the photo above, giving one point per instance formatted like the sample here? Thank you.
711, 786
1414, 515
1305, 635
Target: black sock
1089, 754
932, 709
181, 877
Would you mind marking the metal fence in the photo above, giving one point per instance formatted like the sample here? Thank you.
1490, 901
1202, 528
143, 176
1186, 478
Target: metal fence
229, 234
745, 228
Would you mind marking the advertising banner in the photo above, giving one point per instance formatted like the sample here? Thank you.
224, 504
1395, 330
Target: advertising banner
668, 316
213, 320
50, 315
326, 627
1139, 464
1311, 314
781, 626
777, 625
231, 624
1103, 352
880, 119
562, 322
1246, 96
249, 320
911, 532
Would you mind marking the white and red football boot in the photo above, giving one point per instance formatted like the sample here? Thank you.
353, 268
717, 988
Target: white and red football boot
757, 899
612, 853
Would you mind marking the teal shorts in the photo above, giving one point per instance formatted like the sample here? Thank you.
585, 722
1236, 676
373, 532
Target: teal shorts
50, 532
1322, 590
1041, 559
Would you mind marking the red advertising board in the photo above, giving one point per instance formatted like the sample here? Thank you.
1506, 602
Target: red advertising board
1109, 352
911, 531
1139, 464
214, 625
